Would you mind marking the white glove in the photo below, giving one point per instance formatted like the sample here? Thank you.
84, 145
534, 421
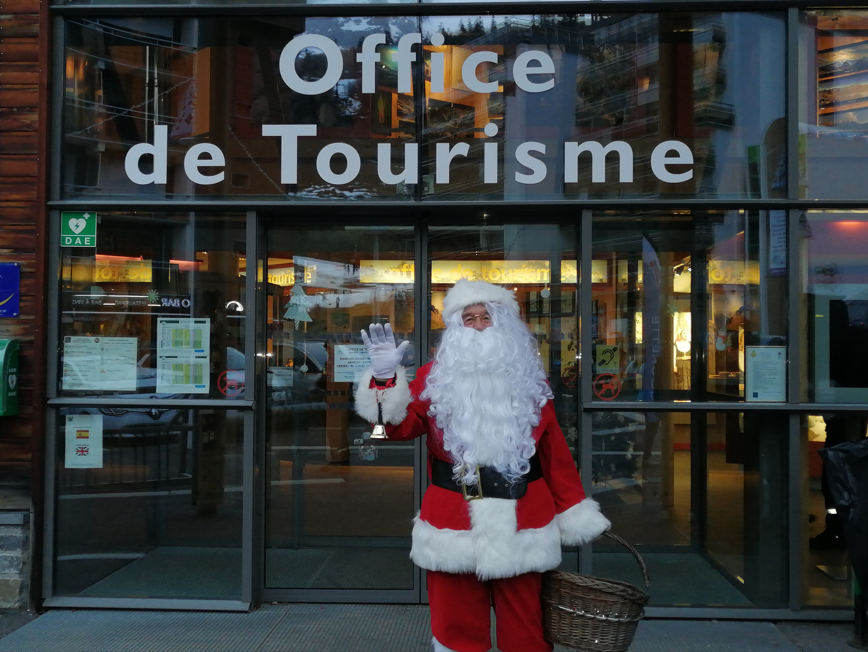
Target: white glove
385, 356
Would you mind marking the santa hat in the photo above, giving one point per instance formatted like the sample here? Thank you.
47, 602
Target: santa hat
467, 293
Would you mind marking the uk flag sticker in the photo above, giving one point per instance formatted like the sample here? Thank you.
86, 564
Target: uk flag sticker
83, 441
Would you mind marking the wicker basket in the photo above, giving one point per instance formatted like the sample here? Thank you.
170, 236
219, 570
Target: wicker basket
590, 614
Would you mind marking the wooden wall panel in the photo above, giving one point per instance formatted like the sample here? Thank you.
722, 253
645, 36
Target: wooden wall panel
18, 166
16, 74
20, 49
21, 7
20, 142
17, 97
17, 215
12, 120
18, 26
24, 62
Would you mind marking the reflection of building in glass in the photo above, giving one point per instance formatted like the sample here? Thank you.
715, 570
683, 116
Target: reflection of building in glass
639, 79
612, 92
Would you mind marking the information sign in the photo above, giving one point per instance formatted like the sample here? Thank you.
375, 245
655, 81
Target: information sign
765, 374
350, 361
78, 229
83, 441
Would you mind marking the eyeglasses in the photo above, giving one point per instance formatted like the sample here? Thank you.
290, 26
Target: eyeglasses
482, 317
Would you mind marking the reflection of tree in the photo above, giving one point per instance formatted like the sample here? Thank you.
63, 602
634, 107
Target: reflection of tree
275, 103
296, 310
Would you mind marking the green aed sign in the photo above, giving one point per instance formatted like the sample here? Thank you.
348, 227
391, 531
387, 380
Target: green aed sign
8, 378
78, 229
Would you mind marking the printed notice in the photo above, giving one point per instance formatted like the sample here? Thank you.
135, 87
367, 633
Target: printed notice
777, 242
183, 355
350, 361
280, 377
766, 374
83, 441
99, 363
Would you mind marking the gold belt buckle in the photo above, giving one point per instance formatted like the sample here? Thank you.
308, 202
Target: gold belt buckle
468, 497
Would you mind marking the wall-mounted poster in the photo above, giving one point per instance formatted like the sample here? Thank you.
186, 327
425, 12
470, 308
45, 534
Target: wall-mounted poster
766, 374
83, 441
99, 363
183, 355
350, 361
10, 289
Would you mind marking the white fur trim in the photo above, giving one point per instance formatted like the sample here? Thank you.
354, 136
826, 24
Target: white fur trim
395, 399
437, 646
505, 551
467, 293
581, 523
493, 548
450, 551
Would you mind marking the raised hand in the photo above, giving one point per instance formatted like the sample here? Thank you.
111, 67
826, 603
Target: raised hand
385, 356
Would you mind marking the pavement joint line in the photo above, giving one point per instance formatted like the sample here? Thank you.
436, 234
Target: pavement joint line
271, 630
310, 627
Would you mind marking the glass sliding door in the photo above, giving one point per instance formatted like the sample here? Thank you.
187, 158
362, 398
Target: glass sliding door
703, 497
338, 512
681, 304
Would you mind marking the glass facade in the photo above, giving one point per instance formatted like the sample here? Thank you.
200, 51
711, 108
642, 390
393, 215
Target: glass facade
833, 119
687, 251
662, 279
518, 108
163, 510
152, 283
834, 310
684, 487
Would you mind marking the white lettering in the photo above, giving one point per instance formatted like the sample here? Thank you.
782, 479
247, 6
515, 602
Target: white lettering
368, 57
660, 159
194, 160
521, 69
159, 150
411, 164
444, 155
324, 163
468, 72
489, 155
538, 168
404, 56
438, 64
334, 64
598, 160
289, 147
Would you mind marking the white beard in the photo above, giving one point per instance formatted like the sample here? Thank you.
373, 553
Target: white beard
486, 391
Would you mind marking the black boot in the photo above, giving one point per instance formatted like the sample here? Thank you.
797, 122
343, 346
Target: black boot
832, 538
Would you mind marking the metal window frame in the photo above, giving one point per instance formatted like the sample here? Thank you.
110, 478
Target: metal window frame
434, 8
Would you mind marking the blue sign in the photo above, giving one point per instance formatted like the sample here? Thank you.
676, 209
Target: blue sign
10, 289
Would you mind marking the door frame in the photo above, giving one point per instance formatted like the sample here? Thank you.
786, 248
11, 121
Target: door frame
262, 224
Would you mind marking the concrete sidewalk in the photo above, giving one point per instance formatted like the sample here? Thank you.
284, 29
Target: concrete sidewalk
366, 628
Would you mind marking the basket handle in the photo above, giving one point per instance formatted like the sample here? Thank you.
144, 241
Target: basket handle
635, 553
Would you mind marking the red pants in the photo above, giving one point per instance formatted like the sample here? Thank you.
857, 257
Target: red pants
461, 612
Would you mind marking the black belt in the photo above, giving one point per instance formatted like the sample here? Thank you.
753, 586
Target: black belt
494, 485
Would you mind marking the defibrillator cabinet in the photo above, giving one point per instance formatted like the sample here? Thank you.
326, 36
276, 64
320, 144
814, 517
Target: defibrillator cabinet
8, 378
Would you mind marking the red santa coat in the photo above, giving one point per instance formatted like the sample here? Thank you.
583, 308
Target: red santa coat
491, 537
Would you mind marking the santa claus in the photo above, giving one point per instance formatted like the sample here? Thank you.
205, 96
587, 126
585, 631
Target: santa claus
505, 493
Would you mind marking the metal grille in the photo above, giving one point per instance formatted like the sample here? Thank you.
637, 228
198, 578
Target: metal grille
330, 628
